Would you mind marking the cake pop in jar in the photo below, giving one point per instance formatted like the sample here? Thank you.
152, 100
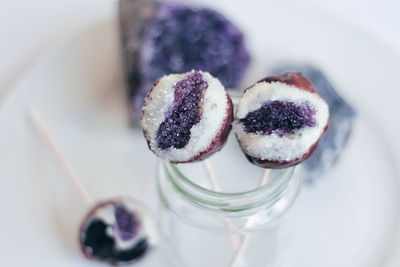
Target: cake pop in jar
280, 120
187, 117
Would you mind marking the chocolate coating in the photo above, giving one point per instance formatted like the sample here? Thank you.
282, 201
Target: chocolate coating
295, 79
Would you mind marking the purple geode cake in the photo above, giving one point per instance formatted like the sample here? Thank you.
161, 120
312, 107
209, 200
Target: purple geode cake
187, 117
159, 38
280, 120
116, 232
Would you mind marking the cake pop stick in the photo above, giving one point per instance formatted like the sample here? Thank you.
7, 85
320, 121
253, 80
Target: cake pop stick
239, 259
279, 123
264, 177
118, 231
187, 117
213, 180
40, 127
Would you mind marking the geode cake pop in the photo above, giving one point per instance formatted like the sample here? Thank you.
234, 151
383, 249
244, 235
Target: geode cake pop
187, 117
117, 231
280, 120
163, 37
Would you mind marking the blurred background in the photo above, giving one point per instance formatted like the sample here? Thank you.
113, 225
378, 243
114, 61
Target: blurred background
26, 24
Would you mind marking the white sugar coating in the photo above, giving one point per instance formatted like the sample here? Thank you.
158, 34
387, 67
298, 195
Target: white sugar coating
273, 146
160, 99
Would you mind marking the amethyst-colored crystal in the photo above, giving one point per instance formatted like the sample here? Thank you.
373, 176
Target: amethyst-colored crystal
160, 38
341, 119
185, 112
279, 117
126, 223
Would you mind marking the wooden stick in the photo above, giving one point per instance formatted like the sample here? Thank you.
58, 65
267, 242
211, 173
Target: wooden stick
264, 177
238, 259
213, 180
56, 152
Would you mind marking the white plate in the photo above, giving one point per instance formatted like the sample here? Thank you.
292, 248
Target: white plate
350, 218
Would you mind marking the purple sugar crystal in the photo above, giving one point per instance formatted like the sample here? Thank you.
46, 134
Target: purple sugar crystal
176, 38
126, 223
185, 112
279, 117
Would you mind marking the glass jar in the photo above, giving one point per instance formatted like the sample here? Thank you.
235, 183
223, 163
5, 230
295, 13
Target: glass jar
201, 227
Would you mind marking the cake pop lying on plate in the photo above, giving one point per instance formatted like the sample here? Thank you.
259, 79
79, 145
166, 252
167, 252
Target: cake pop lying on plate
280, 120
187, 117
117, 231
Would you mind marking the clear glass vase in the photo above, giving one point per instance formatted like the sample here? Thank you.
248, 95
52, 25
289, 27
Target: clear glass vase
201, 227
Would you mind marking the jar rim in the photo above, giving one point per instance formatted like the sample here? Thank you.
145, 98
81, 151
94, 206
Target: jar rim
265, 195
248, 201
189, 182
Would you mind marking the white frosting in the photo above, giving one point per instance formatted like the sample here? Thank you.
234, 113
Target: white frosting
159, 101
274, 147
